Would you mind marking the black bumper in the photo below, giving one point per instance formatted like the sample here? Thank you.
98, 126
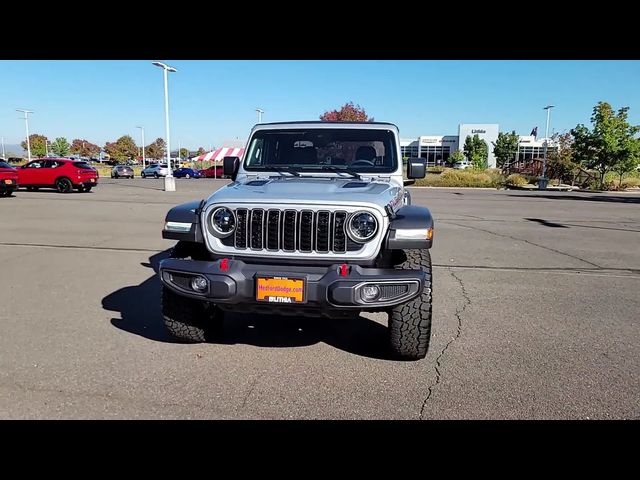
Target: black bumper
326, 291
8, 187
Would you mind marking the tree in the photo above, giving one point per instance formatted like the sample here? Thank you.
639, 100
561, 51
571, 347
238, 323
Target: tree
84, 148
610, 145
123, 149
157, 149
560, 161
183, 153
505, 148
201, 151
60, 147
476, 151
347, 113
37, 143
456, 156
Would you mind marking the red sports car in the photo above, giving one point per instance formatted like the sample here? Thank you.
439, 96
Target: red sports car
212, 172
62, 174
8, 179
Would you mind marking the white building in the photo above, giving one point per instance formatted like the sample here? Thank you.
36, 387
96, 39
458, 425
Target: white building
436, 149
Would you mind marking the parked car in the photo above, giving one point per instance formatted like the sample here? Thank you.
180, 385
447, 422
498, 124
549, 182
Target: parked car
8, 179
60, 173
463, 165
186, 173
122, 171
156, 170
212, 172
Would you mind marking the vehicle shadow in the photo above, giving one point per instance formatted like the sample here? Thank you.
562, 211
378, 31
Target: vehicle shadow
140, 314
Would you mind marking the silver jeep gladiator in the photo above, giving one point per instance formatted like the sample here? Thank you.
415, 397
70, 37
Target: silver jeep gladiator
316, 221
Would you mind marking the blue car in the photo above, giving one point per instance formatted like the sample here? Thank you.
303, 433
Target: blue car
186, 173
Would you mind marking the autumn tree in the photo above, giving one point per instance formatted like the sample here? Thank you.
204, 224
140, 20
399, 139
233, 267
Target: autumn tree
610, 145
505, 148
157, 149
37, 144
476, 151
123, 149
347, 113
84, 148
201, 151
60, 147
560, 160
183, 153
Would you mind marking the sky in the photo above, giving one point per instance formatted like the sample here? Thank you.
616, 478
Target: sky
212, 101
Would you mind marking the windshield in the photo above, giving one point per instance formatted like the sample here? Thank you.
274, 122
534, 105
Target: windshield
358, 150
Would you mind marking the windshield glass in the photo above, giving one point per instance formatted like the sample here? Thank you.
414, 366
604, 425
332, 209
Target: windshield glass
358, 150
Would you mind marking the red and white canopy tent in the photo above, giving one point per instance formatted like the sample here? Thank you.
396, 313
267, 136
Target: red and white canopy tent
218, 154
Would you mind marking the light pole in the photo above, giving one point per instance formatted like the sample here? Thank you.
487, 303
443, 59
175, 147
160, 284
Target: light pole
3, 156
260, 112
543, 184
26, 122
169, 181
143, 157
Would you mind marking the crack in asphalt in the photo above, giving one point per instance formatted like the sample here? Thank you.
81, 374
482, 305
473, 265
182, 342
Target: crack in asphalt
458, 313
525, 241
249, 392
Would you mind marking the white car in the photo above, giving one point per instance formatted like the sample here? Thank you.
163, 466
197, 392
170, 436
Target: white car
156, 170
462, 165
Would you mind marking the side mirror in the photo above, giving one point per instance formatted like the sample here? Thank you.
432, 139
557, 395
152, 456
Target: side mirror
230, 167
416, 167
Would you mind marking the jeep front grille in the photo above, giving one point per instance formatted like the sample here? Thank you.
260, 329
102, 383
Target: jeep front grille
304, 231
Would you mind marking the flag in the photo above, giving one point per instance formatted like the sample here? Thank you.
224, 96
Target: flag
534, 132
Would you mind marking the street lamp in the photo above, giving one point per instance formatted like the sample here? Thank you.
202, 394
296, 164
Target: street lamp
26, 122
143, 157
542, 185
260, 112
169, 181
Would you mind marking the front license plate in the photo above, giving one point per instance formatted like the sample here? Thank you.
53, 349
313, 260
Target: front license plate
8, 182
93, 179
280, 290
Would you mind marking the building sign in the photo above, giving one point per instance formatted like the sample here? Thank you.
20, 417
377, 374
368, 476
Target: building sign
478, 131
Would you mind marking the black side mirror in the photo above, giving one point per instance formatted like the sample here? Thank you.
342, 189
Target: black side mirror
416, 167
230, 167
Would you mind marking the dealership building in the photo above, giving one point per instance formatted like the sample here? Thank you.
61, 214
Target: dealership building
436, 149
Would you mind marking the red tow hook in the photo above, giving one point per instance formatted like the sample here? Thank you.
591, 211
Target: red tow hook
344, 270
224, 264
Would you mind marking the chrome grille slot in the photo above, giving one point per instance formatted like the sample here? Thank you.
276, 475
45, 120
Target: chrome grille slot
241, 228
322, 231
289, 231
339, 235
256, 230
273, 230
305, 241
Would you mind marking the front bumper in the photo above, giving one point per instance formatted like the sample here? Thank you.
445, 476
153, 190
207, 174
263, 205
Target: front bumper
11, 186
327, 291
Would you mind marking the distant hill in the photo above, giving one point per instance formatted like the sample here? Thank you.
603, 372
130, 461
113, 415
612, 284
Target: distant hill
13, 150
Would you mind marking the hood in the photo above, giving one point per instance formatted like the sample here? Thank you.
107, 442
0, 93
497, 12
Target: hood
8, 172
312, 191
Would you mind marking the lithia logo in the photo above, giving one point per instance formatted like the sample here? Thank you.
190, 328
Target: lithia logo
478, 131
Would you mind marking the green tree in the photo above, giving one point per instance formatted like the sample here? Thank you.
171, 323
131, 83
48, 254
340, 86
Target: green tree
201, 151
476, 151
60, 147
37, 143
610, 144
123, 149
456, 156
157, 149
347, 113
184, 152
505, 148
560, 160
84, 148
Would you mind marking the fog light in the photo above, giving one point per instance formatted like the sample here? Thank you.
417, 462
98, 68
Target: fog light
199, 284
369, 293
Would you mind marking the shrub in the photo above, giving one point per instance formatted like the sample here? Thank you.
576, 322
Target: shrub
462, 178
516, 180
631, 182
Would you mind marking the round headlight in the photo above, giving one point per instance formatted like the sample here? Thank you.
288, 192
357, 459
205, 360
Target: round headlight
362, 226
223, 221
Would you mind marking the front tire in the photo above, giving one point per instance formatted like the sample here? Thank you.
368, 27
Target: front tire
189, 320
143, 175
155, 175
410, 323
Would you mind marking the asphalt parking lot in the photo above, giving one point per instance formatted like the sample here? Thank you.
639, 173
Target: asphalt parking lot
536, 316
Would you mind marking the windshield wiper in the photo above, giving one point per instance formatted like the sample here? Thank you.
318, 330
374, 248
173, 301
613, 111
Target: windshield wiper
332, 168
282, 169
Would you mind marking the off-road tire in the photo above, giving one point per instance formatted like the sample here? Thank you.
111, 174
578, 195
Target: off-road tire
410, 323
189, 320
